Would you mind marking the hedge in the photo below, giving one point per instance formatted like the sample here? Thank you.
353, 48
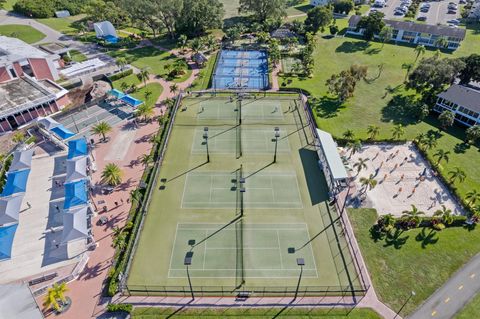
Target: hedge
120, 75
126, 307
3, 172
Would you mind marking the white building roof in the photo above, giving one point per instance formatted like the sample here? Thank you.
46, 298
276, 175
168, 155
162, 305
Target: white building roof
13, 50
334, 161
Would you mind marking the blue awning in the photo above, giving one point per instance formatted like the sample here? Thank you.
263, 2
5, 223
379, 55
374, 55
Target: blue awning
130, 100
7, 234
16, 182
116, 93
75, 194
77, 148
62, 132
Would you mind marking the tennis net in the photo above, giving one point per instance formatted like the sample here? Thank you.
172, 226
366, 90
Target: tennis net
240, 272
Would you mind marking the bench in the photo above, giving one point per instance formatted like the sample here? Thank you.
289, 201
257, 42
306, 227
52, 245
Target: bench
44, 278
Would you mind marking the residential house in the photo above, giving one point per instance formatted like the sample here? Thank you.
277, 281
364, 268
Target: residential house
463, 101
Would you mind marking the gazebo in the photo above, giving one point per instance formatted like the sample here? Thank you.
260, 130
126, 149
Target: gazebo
76, 169
75, 194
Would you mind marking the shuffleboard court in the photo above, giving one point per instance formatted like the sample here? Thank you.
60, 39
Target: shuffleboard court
219, 190
264, 249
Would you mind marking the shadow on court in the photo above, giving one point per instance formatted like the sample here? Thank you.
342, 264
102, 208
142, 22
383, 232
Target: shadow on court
186, 172
314, 177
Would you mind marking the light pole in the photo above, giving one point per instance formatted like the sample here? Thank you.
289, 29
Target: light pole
276, 130
242, 191
187, 262
412, 293
205, 137
301, 263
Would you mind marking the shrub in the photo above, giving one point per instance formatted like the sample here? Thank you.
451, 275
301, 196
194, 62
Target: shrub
120, 75
47, 8
126, 307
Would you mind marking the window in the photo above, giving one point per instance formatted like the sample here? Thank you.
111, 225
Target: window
13, 73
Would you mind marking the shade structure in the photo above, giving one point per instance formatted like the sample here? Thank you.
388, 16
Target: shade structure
47, 122
7, 234
104, 28
16, 182
76, 169
130, 100
75, 224
116, 93
21, 160
75, 194
77, 148
10, 209
62, 132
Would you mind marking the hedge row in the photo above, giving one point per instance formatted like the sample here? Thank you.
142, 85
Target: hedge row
457, 221
120, 75
3, 172
126, 307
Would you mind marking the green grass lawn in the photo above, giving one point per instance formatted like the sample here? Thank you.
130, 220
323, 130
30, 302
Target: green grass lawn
63, 25
373, 104
298, 7
77, 56
471, 310
151, 58
155, 88
23, 32
203, 78
291, 313
418, 264
8, 5
230, 7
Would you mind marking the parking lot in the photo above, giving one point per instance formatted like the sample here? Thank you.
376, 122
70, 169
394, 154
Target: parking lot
437, 14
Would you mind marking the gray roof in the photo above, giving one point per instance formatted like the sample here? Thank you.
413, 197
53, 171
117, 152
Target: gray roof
21, 160
462, 95
16, 301
13, 50
438, 30
76, 169
47, 122
10, 209
334, 161
75, 224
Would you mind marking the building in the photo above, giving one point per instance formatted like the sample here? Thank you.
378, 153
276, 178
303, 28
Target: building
27, 87
416, 33
474, 13
316, 3
463, 101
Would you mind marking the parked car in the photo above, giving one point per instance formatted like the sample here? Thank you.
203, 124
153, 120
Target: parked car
452, 11
424, 9
398, 13
454, 21
452, 6
463, 2
422, 18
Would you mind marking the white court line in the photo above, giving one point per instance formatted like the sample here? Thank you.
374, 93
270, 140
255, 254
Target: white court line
251, 269
311, 250
244, 248
211, 188
205, 249
269, 277
279, 249
172, 250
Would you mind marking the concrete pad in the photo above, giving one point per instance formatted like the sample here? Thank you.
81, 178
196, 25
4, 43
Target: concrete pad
119, 148
397, 169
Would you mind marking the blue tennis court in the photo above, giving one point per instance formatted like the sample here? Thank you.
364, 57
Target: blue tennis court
238, 69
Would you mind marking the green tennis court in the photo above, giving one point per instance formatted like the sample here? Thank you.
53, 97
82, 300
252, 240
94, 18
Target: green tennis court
251, 110
264, 248
219, 190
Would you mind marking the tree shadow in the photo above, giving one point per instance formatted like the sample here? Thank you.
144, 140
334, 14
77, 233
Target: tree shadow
372, 51
351, 47
461, 148
326, 107
427, 239
397, 110
376, 234
394, 239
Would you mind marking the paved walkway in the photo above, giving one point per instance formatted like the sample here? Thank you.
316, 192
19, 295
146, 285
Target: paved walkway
453, 295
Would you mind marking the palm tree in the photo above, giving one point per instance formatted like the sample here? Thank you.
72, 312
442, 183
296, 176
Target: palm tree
361, 164
446, 214
182, 41
124, 86
173, 88
18, 137
143, 75
112, 174
442, 155
408, 67
386, 222
398, 131
430, 142
146, 159
373, 131
368, 182
472, 196
196, 45
54, 295
413, 215
457, 174
354, 146
348, 135
441, 42
50, 300
121, 62
419, 50
145, 110
102, 128
119, 242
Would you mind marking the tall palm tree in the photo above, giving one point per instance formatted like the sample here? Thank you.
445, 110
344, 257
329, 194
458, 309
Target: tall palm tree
472, 196
408, 67
121, 62
387, 222
174, 88
112, 174
18, 137
196, 45
413, 215
348, 135
430, 142
441, 42
361, 164
373, 131
368, 182
119, 241
457, 174
147, 94
446, 214
146, 110
442, 155
182, 41
419, 50
124, 86
143, 76
146, 159
354, 147
102, 128
398, 131
55, 294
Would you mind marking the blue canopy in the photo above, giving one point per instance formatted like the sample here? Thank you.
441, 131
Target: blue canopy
77, 148
111, 39
7, 234
116, 93
75, 194
130, 100
62, 132
16, 182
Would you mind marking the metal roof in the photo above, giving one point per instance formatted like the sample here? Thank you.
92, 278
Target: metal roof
464, 96
334, 161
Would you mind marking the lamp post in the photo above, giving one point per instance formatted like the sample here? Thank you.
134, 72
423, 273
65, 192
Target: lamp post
412, 293
187, 262
276, 131
242, 191
301, 263
205, 137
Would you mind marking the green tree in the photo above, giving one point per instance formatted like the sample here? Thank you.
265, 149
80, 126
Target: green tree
145, 110
119, 241
112, 174
174, 88
419, 50
413, 215
343, 6
333, 29
430, 142
442, 155
348, 135
472, 196
146, 159
102, 128
372, 24
198, 16
182, 41
408, 67
196, 45
18, 137
441, 42
471, 72
368, 183
124, 86
361, 164
446, 119
457, 174
473, 134
143, 75
398, 131
274, 51
55, 295
263, 9
121, 62
318, 18
386, 222
354, 147
147, 94
385, 34
373, 131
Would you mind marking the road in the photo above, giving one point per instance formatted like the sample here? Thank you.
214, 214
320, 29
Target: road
453, 295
